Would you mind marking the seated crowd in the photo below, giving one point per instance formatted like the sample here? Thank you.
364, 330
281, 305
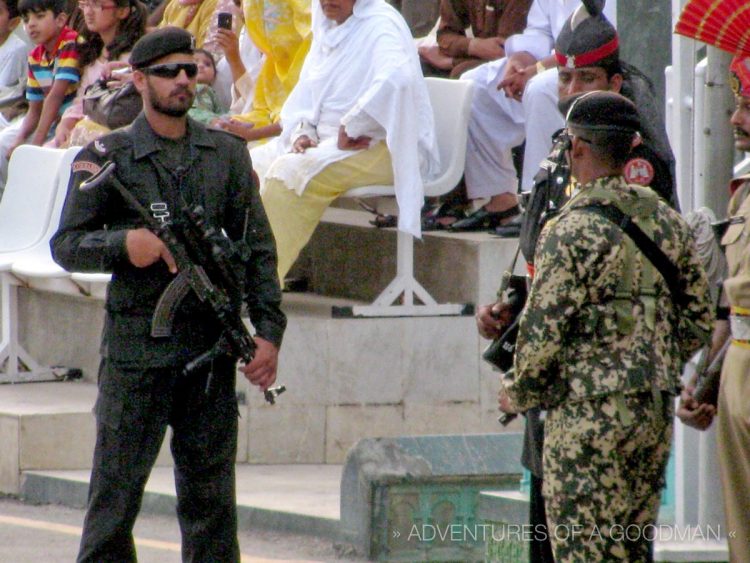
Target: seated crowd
329, 84
65, 78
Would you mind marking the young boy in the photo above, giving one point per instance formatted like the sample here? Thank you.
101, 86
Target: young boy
53, 76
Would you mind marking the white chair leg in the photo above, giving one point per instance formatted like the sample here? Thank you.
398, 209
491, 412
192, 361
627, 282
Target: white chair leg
16, 364
404, 287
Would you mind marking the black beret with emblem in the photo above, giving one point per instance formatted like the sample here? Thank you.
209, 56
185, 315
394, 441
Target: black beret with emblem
587, 38
601, 111
160, 43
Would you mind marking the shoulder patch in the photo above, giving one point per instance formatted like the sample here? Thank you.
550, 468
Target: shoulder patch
639, 171
85, 166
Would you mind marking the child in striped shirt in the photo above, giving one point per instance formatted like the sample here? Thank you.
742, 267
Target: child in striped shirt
53, 75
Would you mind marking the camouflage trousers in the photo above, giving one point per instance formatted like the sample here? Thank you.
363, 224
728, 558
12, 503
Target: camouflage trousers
604, 464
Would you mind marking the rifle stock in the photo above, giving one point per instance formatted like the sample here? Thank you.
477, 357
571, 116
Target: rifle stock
708, 380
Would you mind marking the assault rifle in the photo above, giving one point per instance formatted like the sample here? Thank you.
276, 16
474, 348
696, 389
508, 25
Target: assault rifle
208, 262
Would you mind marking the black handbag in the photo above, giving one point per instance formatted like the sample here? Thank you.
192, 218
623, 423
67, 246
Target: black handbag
112, 107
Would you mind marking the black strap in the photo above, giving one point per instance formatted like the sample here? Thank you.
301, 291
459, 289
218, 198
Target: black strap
648, 247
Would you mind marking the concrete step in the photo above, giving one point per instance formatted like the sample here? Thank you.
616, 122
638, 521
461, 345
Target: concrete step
348, 257
290, 498
48, 426
41, 429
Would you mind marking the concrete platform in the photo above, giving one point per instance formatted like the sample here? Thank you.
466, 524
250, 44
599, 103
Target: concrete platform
346, 379
292, 498
347, 257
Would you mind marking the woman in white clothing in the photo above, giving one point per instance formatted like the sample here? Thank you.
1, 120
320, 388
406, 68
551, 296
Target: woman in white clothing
359, 115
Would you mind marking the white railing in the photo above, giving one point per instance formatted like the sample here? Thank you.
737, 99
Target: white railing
698, 105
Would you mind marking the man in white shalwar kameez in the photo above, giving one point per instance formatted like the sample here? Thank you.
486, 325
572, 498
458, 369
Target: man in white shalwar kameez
360, 115
524, 107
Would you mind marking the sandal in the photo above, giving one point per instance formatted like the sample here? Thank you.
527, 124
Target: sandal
384, 221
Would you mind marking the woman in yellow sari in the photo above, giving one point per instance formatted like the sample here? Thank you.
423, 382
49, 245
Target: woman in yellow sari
281, 30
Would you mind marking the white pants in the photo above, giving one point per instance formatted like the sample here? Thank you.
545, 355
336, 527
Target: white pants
498, 123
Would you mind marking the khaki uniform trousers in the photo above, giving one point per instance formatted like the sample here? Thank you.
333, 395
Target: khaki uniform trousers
734, 449
293, 217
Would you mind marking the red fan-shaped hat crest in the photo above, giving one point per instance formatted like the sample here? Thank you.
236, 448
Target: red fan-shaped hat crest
722, 23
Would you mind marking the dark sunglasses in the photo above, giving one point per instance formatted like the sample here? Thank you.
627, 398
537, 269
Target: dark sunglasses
171, 70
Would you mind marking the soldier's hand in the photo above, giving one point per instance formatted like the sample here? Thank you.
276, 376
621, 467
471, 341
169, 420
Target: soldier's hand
144, 248
694, 414
504, 403
261, 371
493, 319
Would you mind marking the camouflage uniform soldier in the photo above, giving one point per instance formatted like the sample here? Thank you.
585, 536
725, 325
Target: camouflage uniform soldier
601, 344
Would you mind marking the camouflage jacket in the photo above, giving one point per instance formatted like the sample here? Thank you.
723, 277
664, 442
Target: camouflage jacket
599, 317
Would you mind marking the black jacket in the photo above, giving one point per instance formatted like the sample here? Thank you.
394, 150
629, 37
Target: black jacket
91, 238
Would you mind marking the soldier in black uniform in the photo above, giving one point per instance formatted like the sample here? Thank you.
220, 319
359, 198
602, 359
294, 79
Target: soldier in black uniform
587, 51
166, 159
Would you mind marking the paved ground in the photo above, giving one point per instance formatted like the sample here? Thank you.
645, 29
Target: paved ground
50, 533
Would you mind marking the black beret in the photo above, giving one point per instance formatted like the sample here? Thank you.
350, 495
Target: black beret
601, 111
587, 39
160, 43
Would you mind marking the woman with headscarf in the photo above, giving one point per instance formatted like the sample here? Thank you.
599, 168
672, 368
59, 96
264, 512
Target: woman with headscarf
360, 115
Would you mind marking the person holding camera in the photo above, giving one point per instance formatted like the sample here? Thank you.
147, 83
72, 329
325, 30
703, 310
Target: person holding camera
281, 30
603, 337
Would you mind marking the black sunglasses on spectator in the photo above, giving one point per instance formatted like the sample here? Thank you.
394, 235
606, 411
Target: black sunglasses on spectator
171, 70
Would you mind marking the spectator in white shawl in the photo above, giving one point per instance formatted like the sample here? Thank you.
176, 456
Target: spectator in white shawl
358, 116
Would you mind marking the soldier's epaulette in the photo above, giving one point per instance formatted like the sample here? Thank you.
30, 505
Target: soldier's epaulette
112, 141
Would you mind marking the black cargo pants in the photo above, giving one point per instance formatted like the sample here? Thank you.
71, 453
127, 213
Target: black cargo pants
133, 410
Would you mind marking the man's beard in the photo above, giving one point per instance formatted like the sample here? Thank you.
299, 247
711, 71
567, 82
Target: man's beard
168, 105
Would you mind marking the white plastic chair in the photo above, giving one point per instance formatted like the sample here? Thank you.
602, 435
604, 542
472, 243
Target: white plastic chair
29, 197
51, 171
36, 262
451, 105
36, 268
